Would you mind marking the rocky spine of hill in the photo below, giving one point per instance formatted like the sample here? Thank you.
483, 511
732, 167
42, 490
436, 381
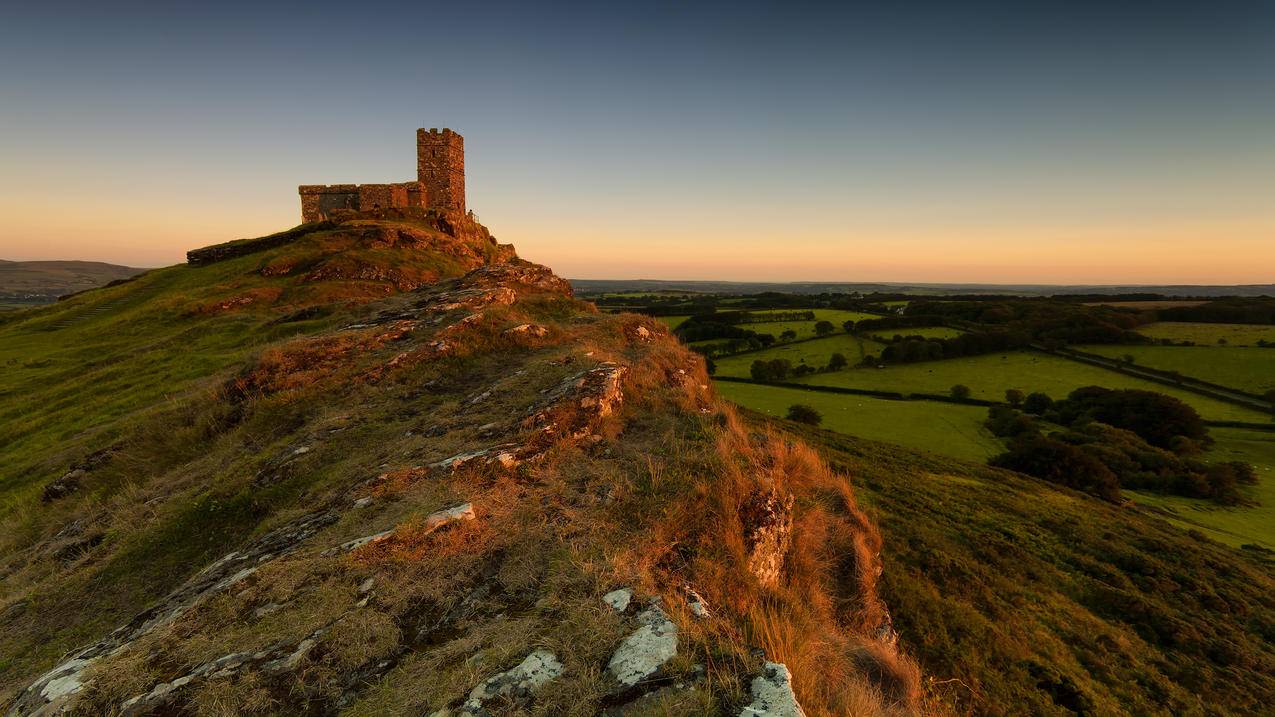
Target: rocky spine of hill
487, 497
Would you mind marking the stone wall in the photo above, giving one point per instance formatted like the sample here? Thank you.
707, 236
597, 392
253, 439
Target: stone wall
440, 166
321, 201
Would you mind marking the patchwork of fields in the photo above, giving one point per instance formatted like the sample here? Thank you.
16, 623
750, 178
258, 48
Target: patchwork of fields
987, 376
957, 430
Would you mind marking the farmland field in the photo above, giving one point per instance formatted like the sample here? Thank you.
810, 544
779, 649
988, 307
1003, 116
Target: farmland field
987, 376
1208, 334
1249, 369
815, 353
927, 332
672, 321
806, 329
945, 428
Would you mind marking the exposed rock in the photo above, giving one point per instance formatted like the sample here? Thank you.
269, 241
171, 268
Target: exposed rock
365, 540
69, 482
644, 651
697, 604
773, 695
533, 330
462, 512
64, 485
618, 599
767, 519
433, 521
516, 684
47, 694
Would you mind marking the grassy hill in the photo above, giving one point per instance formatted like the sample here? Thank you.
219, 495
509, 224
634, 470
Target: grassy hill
379, 466
37, 282
383, 466
1020, 598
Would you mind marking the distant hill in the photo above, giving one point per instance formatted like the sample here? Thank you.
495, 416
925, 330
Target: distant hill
42, 282
606, 286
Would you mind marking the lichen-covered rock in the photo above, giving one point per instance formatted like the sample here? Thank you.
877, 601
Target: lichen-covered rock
773, 695
767, 519
645, 650
618, 599
533, 330
516, 684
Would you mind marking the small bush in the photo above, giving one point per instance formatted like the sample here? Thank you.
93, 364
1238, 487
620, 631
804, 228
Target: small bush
960, 390
1037, 403
802, 413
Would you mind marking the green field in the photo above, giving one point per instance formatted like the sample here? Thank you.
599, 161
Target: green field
815, 353
928, 332
945, 428
806, 329
957, 431
987, 376
1249, 369
672, 321
1233, 526
1235, 334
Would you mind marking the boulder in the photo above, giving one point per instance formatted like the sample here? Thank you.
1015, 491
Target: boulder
645, 650
773, 695
516, 684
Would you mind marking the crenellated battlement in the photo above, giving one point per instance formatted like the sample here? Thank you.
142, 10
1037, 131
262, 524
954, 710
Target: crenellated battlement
440, 184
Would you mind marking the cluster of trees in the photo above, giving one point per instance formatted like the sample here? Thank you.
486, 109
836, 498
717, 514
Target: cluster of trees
910, 349
780, 369
1258, 310
727, 325
1114, 438
1044, 320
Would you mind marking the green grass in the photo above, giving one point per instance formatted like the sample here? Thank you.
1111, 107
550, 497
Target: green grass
1201, 333
673, 321
929, 332
987, 376
945, 428
815, 353
1249, 369
1017, 597
806, 329
1239, 525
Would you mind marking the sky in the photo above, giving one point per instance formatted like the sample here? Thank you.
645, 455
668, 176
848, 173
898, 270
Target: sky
1005, 142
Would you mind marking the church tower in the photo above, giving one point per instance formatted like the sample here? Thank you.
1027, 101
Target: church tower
440, 166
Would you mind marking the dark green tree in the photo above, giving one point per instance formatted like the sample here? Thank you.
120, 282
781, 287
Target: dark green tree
802, 413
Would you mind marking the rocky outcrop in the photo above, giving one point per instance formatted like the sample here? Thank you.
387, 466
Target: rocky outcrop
767, 519
517, 684
50, 692
772, 694
642, 654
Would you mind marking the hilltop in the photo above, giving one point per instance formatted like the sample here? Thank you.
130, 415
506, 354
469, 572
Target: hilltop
379, 464
40, 282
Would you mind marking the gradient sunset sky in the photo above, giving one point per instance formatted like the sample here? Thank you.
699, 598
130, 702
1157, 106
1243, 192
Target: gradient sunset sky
1054, 142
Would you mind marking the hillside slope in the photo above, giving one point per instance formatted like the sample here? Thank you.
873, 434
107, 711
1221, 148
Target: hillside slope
47, 280
1018, 597
383, 466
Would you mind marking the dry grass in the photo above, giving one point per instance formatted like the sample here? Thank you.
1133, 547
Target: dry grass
820, 618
